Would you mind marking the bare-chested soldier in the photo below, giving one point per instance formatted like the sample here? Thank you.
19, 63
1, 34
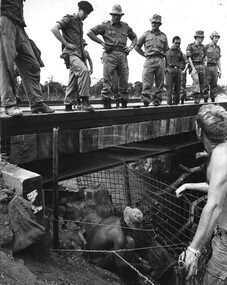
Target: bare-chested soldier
211, 130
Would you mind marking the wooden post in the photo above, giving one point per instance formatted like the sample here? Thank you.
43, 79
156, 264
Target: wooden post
55, 189
127, 188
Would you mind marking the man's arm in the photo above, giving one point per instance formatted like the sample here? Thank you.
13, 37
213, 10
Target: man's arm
96, 39
90, 63
132, 45
56, 31
203, 187
216, 198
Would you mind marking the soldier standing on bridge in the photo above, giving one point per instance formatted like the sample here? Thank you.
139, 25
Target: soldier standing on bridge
174, 62
155, 46
196, 54
73, 53
16, 48
115, 34
213, 64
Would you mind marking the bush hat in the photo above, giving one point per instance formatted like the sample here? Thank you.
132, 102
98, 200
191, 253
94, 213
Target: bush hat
156, 18
116, 10
132, 216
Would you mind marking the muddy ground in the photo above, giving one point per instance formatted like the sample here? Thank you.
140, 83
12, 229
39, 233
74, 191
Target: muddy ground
59, 269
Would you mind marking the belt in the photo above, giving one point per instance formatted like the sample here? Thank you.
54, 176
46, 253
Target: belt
198, 63
155, 55
117, 48
173, 66
211, 64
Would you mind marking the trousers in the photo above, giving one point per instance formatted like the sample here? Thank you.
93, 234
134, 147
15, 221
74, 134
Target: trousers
216, 271
153, 72
15, 48
79, 80
212, 79
115, 62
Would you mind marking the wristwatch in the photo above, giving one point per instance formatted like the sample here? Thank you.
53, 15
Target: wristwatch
197, 253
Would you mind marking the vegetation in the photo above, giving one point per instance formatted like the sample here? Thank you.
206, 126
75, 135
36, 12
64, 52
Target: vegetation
55, 91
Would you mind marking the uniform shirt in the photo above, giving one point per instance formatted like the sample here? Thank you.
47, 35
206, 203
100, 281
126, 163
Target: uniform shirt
213, 53
175, 57
154, 43
196, 52
13, 9
72, 31
114, 35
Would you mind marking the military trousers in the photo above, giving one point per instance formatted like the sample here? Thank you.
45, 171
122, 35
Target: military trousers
153, 72
212, 79
116, 61
79, 80
15, 48
183, 92
199, 85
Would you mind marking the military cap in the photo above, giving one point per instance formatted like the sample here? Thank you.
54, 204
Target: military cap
214, 34
116, 10
85, 6
199, 34
156, 18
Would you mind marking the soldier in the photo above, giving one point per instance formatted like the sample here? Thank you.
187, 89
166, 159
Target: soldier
174, 61
16, 49
73, 52
184, 68
115, 34
155, 46
213, 64
196, 55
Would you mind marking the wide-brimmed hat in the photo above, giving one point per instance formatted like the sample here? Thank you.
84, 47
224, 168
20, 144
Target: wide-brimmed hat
214, 34
116, 10
132, 216
199, 34
85, 6
156, 18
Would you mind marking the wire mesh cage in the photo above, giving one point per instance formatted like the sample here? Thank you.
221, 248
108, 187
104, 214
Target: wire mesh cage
173, 220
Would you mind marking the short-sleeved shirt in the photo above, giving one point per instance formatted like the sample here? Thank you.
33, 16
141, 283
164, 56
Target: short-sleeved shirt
175, 57
114, 35
13, 9
154, 43
196, 52
72, 31
213, 53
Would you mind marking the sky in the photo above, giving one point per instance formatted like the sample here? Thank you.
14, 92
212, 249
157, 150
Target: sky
179, 17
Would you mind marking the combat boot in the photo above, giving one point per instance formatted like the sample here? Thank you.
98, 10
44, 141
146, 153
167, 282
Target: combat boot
123, 103
85, 105
106, 103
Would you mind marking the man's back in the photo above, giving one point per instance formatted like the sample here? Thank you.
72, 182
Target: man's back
217, 173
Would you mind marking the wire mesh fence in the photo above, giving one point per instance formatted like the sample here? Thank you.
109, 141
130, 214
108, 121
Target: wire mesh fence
173, 220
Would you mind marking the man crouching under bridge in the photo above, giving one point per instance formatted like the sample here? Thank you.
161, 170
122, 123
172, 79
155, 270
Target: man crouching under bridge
116, 233
211, 130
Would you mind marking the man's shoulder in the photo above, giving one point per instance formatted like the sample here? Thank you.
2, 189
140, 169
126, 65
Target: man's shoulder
219, 154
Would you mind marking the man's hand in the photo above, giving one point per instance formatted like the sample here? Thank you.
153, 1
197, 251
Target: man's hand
128, 49
181, 189
107, 48
219, 74
190, 262
70, 46
90, 71
201, 154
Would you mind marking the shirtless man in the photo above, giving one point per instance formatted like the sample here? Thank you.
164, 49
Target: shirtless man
115, 233
211, 130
